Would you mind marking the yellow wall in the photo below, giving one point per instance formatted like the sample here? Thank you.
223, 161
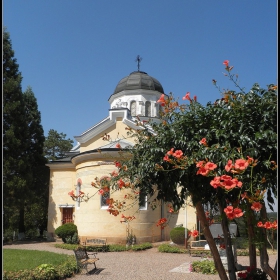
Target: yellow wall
61, 182
93, 221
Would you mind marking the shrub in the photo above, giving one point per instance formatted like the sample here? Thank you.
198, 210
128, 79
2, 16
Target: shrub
166, 248
108, 248
98, 248
204, 267
241, 242
143, 246
245, 252
46, 271
177, 235
66, 246
31, 233
117, 248
8, 236
202, 253
73, 239
66, 231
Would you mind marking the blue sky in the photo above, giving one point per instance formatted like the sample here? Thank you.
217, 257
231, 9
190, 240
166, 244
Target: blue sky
74, 53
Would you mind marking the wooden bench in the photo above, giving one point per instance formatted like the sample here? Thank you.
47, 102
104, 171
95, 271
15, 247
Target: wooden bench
83, 259
198, 247
96, 243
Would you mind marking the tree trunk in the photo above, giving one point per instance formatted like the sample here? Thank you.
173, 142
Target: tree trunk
251, 237
264, 259
208, 236
228, 244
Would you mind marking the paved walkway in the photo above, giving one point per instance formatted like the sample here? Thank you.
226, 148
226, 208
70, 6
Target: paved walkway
143, 265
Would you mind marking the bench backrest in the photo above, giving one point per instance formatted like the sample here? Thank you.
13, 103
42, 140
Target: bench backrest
80, 254
95, 241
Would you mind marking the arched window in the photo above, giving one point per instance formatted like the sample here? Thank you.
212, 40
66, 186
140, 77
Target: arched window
148, 109
143, 201
133, 108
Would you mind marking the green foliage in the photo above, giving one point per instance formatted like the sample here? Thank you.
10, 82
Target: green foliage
245, 252
35, 212
66, 231
117, 248
28, 259
16, 167
72, 239
120, 247
166, 248
140, 247
204, 267
237, 126
109, 248
44, 271
56, 145
24, 172
8, 236
130, 239
201, 253
163, 248
227, 125
66, 246
177, 235
241, 242
98, 248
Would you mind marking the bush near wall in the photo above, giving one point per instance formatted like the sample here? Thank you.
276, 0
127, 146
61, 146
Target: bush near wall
177, 235
66, 232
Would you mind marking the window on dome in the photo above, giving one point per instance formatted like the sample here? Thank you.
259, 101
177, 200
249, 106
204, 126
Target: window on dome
148, 109
133, 108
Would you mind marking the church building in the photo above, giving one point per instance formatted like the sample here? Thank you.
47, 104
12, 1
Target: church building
134, 95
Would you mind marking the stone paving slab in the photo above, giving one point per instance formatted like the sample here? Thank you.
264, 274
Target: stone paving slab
183, 268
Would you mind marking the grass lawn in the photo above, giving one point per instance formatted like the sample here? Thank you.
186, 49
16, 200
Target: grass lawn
14, 259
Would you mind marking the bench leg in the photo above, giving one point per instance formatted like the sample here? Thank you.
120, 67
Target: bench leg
85, 267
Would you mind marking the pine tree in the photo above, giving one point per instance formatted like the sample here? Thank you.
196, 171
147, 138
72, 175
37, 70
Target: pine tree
37, 208
56, 145
25, 176
15, 168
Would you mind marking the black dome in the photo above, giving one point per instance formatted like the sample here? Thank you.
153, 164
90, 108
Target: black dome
138, 80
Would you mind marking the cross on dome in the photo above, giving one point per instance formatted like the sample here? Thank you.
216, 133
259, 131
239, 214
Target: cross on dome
138, 59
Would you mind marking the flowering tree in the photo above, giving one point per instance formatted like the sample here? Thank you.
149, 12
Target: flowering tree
223, 154
240, 126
